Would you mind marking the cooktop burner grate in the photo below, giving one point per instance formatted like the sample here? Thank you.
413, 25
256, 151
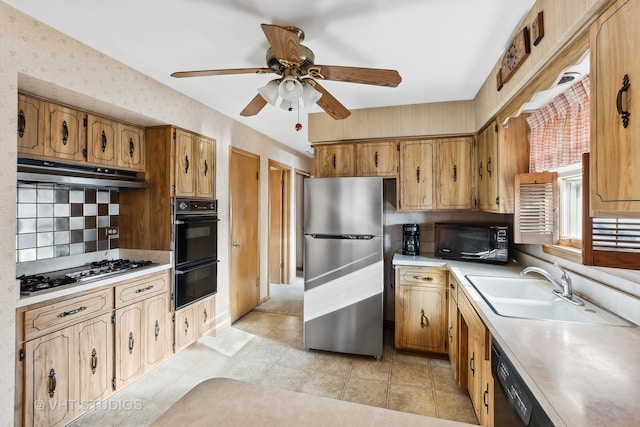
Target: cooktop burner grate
97, 269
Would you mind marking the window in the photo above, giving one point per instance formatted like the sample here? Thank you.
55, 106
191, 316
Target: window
570, 209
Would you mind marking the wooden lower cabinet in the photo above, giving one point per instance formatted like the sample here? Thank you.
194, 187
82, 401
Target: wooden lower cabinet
453, 326
185, 327
158, 333
128, 344
421, 309
205, 310
94, 349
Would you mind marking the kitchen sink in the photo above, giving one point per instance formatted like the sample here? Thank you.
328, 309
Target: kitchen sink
528, 298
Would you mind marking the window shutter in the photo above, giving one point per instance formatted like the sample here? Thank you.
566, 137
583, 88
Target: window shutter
536, 208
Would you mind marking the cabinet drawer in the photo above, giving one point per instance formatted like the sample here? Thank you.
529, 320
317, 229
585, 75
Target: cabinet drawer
40, 321
139, 289
453, 288
423, 276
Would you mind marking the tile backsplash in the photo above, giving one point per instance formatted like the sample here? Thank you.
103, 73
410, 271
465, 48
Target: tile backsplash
56, 220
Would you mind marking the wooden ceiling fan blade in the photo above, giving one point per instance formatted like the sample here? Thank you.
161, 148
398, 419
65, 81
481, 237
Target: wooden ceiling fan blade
222, 72
330, 105
285, 43
254, 107
367, 76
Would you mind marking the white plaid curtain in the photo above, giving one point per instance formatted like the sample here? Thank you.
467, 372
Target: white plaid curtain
560, 129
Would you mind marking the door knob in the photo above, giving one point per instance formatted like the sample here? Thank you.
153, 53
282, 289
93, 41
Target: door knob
235, 245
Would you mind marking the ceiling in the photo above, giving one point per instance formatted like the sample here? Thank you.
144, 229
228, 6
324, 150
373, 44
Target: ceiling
443, 49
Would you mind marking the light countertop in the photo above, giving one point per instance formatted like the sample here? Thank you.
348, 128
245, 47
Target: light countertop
581, 374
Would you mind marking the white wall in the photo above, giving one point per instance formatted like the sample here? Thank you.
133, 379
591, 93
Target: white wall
45, 62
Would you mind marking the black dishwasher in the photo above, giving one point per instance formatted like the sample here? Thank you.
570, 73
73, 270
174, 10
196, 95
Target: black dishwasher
514, 404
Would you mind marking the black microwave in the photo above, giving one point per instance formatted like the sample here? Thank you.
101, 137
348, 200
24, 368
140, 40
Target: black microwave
472, 242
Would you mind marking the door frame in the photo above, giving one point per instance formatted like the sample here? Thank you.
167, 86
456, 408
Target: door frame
284, 236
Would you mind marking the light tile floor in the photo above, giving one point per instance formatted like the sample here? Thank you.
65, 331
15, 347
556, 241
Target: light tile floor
267, 348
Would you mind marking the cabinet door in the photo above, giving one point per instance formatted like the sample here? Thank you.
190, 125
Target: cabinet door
102, 146
416, 175
185, 327
65, 133
487, 165
95, 359
475, 354
50, 392
205, 173
129, 344
131, 141
454, 182
206, 315
185, 163
452, 333
615, 153
30, 126
486, 416
334, 160
377, 159
157, 330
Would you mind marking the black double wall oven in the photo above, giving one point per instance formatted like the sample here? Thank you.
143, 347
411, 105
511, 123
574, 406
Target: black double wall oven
195, 237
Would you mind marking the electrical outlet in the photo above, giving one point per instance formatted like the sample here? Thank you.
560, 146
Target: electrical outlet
112, 231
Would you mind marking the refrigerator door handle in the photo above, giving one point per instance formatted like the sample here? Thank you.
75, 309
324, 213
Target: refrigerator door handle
344, 236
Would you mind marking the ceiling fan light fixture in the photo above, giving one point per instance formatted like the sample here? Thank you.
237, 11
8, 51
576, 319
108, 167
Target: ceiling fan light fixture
269, 92
289, 105
290, 89
309, 94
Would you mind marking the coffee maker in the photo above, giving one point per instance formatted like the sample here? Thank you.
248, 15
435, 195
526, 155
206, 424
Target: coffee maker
410, 239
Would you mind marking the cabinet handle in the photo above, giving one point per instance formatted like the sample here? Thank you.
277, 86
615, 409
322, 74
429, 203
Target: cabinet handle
104, 141
423, 319
156, 332
94, 361
488, 169
376, 159
132, 343
423, 278
472, 363
484, 398
65, 132
72, 312
132, 147
450, 333
624, 115
418, 174
206, 168
138, 291
52, 382
334, 161
453, 288
455, 173
22, 123
186, 327
206, 316
186, 164
480, 171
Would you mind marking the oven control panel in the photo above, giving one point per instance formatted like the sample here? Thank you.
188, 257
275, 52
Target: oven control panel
196, 205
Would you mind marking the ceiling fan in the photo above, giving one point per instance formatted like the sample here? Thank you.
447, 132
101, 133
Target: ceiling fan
299, 75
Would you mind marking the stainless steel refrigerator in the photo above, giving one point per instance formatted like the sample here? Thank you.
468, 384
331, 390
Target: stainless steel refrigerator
343, 265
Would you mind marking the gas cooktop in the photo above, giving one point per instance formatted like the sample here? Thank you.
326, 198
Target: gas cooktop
96, 270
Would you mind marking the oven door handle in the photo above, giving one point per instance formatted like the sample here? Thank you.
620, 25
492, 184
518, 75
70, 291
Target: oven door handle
196, 267
180, 221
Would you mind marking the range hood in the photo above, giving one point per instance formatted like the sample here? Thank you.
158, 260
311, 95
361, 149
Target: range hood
35, 170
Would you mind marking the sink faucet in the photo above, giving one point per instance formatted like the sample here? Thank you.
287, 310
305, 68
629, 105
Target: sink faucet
563, 287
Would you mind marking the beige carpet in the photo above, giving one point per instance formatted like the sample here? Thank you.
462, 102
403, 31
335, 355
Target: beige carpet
285, 299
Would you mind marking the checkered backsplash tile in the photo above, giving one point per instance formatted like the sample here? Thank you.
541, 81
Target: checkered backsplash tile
57, 220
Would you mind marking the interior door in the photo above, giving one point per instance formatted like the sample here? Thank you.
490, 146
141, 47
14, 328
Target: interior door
244, 194
275, 225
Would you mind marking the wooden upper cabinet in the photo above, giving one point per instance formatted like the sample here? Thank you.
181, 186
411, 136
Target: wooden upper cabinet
334, 160
502, 152
615, 153
65, 133
377, 159
132, 151
205, 175
415, 182
454, 177
185, 166
102, 145
30, 125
